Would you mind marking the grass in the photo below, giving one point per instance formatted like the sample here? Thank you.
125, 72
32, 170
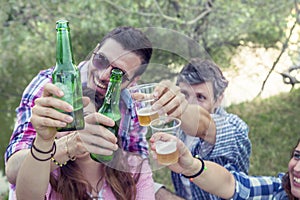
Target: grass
274, 131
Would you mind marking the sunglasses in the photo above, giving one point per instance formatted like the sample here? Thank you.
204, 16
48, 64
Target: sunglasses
100, 61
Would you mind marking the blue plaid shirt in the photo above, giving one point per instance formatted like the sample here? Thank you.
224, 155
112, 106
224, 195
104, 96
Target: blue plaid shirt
258, 187
231, 150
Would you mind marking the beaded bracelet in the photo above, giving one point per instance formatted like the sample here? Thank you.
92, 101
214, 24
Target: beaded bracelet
53, 150
57, 163
203, 167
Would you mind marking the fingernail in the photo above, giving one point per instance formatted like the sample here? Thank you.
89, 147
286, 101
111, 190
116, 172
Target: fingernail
69, 119
60, 93
69, 107
63, 124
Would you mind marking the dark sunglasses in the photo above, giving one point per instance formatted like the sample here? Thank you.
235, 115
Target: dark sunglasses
100, 61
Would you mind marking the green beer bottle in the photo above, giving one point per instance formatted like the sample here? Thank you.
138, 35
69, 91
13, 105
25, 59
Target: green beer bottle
67, 76
110, 108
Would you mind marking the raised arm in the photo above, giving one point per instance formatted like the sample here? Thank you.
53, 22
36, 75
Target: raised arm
215, 179
38, 159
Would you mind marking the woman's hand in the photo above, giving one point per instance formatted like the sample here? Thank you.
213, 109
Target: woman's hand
45, 118
96, 138
185, 160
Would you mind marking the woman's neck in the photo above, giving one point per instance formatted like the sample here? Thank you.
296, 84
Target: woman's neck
92, 171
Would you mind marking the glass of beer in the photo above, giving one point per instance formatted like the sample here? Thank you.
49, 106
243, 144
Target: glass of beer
143, 100
166, 149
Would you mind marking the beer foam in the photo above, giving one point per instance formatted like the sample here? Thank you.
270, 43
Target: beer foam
165, 147
146, 112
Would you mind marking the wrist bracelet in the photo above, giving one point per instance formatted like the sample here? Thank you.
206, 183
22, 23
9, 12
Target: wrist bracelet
40, 151
203, 167
53, 150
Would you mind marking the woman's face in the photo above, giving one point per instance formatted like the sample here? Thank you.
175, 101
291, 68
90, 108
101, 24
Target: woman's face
294, 172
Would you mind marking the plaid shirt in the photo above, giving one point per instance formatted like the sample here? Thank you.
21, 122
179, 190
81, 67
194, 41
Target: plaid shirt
24, 133
258, 187
231, 150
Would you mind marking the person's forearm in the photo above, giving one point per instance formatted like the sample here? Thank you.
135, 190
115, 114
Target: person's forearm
13, 165
34, 173
14, 162
215, 179
197, 122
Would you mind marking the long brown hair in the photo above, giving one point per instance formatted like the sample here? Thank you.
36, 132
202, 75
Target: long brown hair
71, 184
286, 184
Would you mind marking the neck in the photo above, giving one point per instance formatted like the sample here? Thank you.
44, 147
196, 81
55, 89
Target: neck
92, 171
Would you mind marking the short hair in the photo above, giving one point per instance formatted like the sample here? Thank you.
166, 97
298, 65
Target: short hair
134, 40
199, 71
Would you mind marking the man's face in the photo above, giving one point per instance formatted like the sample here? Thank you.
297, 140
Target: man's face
294, 172
201, 94
117, 57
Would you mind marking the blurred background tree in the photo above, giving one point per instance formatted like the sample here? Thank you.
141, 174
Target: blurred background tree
27, 35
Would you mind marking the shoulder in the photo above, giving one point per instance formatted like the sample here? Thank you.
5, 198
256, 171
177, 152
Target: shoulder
35, 88
222, 117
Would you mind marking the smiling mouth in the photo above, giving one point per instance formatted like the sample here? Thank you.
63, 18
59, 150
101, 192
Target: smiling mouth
297, 180
98, 84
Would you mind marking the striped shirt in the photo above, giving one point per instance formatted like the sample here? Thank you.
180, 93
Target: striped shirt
132, 134
231, 150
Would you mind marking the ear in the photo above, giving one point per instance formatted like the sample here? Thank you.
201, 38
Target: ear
219, 100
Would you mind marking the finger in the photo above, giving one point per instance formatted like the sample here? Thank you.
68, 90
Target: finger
100, 131
99, 142
54, 103
85, 101
97, 118
44, 122
51, 89
169, 93
176, 106
51, 113
161, 88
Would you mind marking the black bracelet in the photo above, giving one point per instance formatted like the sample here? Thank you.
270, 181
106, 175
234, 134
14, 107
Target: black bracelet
40, 151
53, 149
203, 167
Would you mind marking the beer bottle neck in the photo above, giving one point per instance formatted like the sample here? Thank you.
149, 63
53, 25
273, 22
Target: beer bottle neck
112, 96
64, 54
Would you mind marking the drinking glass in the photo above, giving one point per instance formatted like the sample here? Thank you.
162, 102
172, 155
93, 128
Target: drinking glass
143, 101
166, 149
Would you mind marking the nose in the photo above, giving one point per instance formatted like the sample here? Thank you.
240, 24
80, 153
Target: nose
297, 166
105, 74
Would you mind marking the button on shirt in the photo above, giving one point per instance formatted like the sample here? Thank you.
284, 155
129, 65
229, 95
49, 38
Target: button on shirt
231, 150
